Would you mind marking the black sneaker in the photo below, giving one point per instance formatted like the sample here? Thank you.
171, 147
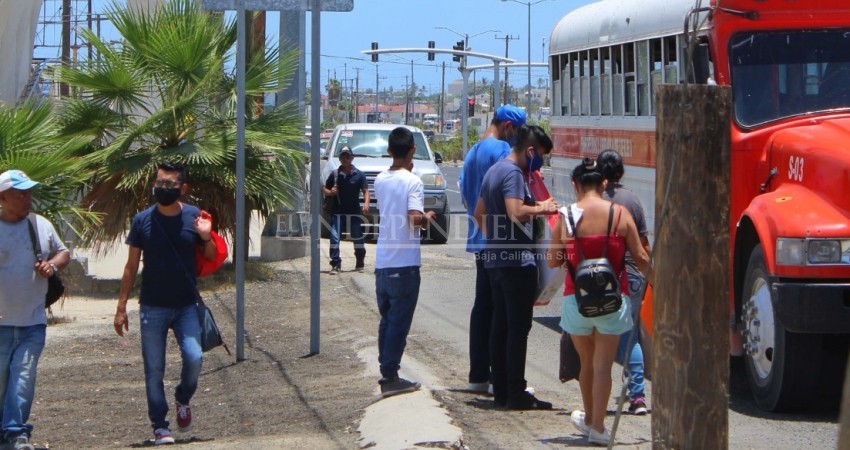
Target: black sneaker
359, 266
526, 401
395, 386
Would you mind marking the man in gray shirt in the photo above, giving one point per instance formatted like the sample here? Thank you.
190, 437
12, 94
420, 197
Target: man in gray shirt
23, 321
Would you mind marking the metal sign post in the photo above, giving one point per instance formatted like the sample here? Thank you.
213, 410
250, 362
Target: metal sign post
240, 6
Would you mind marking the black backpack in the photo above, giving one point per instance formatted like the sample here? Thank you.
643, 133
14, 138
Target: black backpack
597, 286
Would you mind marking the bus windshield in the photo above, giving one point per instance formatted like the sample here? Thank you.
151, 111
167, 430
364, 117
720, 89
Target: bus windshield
783, 74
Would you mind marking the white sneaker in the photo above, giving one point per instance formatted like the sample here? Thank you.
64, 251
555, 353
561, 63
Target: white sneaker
597, 438
480, 388
577, 419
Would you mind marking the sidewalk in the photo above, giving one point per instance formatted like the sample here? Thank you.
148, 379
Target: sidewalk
91, 389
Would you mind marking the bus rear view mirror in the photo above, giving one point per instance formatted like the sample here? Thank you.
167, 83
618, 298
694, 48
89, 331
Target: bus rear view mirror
700, 64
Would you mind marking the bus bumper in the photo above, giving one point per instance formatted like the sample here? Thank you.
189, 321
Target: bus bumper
812, 307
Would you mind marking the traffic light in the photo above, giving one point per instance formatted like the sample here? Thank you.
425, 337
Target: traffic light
458, 46
430, 54
471, 107
374, 55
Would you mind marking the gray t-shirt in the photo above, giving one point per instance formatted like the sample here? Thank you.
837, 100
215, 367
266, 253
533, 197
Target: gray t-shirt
508, 244
622, 196
23, 290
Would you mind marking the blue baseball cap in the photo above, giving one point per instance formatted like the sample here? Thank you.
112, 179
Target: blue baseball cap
510, 113
16, 179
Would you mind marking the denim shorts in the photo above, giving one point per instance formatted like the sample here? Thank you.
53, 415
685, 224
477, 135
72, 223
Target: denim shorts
574, 323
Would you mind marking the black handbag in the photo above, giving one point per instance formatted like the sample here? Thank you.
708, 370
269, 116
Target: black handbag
55, 287
570, 363
210, 334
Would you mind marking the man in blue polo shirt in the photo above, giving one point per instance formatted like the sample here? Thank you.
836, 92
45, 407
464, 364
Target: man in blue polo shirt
493, 146
346, 183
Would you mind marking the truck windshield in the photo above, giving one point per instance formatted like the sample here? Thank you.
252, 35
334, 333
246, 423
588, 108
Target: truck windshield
789, 73
373, 143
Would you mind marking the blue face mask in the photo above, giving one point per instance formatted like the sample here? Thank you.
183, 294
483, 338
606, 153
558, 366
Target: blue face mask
535, 162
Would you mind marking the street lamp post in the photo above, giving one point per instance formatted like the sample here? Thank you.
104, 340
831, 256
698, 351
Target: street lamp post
528, 93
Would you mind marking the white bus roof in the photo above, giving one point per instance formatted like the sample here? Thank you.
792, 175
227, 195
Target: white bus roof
609, 22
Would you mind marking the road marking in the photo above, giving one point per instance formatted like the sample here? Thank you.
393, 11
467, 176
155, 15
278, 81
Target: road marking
456, 192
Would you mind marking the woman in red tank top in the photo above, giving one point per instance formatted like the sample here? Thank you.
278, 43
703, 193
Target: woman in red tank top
595, 338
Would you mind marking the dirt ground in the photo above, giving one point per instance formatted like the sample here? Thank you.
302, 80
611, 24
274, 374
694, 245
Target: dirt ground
90, 391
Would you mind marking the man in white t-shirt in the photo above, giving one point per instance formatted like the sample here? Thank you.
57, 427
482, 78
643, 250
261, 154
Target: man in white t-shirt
400, 197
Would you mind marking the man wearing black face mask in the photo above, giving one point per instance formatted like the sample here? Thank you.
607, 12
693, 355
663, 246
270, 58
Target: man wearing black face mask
505, 212
168, 233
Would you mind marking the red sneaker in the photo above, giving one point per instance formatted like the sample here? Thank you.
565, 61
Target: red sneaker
184, 417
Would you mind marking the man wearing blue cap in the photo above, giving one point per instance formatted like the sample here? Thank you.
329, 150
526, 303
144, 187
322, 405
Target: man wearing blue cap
23, 320
495, 144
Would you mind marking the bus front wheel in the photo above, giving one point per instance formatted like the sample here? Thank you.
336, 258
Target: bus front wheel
782, 367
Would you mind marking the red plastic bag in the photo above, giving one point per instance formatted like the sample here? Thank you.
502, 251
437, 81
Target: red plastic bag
204, 265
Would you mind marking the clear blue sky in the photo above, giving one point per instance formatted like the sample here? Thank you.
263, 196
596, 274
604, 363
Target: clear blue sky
412, 23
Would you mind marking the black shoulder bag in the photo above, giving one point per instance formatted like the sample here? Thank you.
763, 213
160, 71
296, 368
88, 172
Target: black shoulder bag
210, 334
55, 287
597, 286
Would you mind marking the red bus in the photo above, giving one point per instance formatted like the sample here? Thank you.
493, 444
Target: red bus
788, 65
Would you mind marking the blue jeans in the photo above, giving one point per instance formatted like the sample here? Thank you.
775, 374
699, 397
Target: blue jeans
397, 290
353, 223
154, 324
20, 348
635, 363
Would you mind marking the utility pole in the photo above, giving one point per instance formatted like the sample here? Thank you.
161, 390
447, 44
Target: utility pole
376, 92
356, 94
443, 98
506, 97
406, 102
413, 95
64, 90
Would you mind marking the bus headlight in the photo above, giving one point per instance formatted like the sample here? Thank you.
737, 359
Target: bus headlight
829, 251
789, 252
433, 181
800, 252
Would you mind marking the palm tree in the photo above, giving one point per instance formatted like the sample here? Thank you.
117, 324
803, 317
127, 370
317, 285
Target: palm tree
29, 141
166, 92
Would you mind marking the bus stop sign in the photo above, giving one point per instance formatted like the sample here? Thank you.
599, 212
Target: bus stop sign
278, 5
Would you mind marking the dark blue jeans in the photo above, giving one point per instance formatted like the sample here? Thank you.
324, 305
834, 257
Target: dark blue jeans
397, 290
352, 223
479, 326
513, 291
155, 322
20, 348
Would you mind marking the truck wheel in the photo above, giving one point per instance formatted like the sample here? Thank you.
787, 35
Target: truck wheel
782, 367
439, 232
